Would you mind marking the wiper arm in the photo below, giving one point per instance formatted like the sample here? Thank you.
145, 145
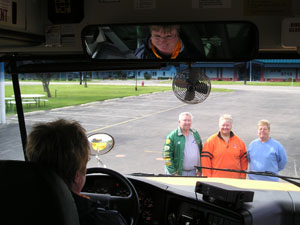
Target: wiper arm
154, 175
266, 173
148, 174
142, 174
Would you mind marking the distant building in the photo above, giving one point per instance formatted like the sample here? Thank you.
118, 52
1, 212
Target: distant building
279, 69
254, 70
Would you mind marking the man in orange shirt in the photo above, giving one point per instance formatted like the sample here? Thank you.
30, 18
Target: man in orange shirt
224, 150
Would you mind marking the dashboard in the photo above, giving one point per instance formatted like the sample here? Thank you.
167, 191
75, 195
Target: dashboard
170, 204
151, 198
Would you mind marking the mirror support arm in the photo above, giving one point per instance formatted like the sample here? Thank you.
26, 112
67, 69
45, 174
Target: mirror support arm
19, 107
135, 81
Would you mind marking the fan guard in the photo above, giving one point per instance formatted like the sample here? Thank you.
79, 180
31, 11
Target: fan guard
191, 85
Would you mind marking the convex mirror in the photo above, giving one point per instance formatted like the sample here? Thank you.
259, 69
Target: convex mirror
100, 143
185, 42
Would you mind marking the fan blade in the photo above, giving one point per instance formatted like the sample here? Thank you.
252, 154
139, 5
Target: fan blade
181, 83
189, 95
201, 87
193, 76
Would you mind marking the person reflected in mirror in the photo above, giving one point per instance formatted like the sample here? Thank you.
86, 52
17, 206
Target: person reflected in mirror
62, 146
182, 148
224, 150
163, 43
265, 154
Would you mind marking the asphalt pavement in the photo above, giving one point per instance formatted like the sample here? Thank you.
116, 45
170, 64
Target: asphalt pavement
140, 124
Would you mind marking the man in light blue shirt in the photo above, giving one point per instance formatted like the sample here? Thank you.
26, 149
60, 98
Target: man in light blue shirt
265, 154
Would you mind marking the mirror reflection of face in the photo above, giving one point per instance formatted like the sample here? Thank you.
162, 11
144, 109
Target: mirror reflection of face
263, 132
165, 42
225, 127
201, 40
185, 122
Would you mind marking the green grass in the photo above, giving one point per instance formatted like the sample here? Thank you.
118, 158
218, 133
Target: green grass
221, 90
269, 83
69, 94
257, 83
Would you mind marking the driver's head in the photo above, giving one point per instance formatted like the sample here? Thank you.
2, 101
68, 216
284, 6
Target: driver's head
165, 37
63, 147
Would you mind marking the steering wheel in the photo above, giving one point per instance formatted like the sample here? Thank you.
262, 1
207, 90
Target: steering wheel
127, 206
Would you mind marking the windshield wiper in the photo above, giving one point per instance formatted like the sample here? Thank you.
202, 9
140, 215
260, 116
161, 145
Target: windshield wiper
152, 175
145, 174
266, 173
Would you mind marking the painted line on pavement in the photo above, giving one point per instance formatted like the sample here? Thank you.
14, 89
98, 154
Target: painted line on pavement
142, 117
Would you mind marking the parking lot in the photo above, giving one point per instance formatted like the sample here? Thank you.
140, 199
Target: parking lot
140, 124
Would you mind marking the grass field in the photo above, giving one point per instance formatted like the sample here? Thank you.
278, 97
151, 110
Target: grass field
257, 83
75, 94
67, 95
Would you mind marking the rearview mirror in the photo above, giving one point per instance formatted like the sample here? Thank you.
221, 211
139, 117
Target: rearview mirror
184, 42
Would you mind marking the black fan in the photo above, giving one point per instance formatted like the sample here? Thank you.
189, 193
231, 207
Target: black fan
191, 86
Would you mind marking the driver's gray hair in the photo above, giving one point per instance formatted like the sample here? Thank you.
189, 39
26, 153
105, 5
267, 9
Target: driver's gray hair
184, 114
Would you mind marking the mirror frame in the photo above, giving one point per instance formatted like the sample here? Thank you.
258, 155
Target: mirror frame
104, 151
254, 40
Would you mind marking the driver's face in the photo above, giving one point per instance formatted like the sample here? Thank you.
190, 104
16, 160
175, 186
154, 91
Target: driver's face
165, 42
